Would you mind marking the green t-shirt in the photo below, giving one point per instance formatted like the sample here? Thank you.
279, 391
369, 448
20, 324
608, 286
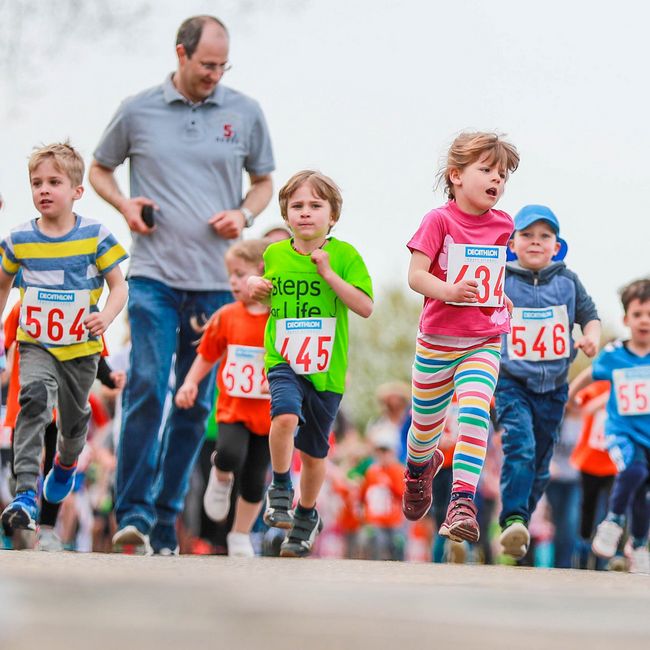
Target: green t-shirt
308, 324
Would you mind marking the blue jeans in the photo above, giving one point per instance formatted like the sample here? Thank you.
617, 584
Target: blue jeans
530, 423
153, 472
564, 498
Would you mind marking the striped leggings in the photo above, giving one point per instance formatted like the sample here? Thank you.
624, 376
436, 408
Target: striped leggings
469, 367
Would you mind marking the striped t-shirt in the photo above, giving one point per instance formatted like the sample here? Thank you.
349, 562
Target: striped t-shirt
60, 273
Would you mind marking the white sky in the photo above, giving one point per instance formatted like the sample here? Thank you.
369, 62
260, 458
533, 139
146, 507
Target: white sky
371, 92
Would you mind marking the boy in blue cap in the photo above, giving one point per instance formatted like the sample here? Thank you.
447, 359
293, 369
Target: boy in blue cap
532, 389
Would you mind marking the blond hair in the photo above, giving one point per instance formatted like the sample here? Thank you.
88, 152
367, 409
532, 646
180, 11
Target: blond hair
323, 187
470, 147
64, 156
250, 251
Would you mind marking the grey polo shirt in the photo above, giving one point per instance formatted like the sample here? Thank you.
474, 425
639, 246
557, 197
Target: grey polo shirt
189, 158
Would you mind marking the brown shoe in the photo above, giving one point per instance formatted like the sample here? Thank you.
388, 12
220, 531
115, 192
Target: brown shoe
417, 498
460, 523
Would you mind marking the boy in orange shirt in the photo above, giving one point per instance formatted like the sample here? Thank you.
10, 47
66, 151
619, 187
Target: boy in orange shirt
235, 338
381, 497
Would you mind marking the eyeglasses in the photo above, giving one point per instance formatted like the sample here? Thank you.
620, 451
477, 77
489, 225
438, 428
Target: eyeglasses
216, 67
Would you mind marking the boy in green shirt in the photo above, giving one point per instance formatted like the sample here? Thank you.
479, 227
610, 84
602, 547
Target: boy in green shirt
310, 282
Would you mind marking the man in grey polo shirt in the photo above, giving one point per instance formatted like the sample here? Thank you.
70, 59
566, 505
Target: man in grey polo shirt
188, 142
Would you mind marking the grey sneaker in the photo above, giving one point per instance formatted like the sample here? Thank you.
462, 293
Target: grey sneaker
300, 539
279, 507
515, 539
48, 540
131, 536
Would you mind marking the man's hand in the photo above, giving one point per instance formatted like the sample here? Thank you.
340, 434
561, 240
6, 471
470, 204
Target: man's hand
97, 323
463, 291
131, 210
228, 223
258, 288
186, 395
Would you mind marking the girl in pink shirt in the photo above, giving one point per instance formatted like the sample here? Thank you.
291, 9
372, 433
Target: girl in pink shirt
457, 264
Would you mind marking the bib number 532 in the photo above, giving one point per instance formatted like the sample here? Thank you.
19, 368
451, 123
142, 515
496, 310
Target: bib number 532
485, 264
306, 344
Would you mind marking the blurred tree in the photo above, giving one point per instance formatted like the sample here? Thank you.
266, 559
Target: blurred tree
381, 349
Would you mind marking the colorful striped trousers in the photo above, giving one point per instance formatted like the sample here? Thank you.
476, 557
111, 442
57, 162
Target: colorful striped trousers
442, 365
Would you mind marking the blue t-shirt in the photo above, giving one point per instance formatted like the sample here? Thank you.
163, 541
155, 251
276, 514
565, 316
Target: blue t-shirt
615, 356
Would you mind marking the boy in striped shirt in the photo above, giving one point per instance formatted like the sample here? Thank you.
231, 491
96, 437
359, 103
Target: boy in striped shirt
63, 260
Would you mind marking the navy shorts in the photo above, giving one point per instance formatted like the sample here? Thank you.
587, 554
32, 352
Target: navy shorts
296, 395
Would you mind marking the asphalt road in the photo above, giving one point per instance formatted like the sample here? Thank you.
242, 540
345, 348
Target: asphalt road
93, 601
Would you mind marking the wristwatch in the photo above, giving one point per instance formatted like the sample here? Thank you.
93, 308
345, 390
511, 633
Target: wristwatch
249, 217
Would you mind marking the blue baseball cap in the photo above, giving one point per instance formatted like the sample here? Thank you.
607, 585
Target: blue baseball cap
528, 215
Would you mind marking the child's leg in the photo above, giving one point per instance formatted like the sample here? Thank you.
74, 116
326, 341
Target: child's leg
640, 511
281, 436
253, 477
75, 378
38, 394
475, 381
312, 478
49, 511
433, 388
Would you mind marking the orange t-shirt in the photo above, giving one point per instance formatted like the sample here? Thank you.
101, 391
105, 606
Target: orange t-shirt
235, 325
589, 454
381, 494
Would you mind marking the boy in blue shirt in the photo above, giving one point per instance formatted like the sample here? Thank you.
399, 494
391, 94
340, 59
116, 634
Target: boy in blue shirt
532, 389
627, 430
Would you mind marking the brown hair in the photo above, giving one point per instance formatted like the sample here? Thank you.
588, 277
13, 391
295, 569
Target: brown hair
637, 290
189, 33
323, 186
65, 157
251, 250
470, 147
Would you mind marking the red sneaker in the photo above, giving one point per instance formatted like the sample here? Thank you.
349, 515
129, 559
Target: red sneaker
460, 523
417, 498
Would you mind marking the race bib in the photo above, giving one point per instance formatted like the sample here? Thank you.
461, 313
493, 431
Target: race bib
243, 372
539, 334
55, 317
379, 500
485, 264
632, 390
306, 343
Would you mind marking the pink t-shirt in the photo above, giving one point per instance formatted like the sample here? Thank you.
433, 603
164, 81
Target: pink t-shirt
448, 225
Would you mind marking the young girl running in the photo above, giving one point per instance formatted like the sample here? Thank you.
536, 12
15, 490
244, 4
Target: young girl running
457, 264
235, 336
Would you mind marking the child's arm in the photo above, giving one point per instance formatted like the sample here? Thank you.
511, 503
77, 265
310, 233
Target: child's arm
352, 297
582, 380
97, 322
186, 395
429, 285
260, 289
590, 339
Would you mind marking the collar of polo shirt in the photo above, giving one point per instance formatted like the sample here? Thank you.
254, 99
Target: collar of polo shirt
171, 94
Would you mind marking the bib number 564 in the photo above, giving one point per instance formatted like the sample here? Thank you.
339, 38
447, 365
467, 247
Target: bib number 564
54, 324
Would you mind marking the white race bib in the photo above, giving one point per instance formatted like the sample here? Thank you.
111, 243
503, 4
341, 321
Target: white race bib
306, 343
539, 334
54, 316
485, 264
632, 389
243, 372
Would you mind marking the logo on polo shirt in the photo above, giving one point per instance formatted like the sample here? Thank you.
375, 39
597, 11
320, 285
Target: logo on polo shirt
228, 134
227, 131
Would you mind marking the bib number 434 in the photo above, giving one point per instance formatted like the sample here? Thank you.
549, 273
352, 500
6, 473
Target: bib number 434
485, 264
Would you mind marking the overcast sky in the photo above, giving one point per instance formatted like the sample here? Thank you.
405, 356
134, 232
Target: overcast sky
371, 92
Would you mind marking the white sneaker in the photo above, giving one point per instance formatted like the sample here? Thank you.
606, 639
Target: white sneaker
239, 545
605, 542
640, 560
216, 500
515, 540
131, 536
48, 540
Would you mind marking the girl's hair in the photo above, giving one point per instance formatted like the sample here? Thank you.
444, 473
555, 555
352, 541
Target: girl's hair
470, 147
637, 290
251, 250
64, 156
323, 186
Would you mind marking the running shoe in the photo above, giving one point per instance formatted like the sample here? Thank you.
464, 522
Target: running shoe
59, 481
131, 536
48, 540
515, 539
460, 523
605, 542
279, 504
417, 497
300, 539
21, 513
239, 545
216, 500
640, 560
